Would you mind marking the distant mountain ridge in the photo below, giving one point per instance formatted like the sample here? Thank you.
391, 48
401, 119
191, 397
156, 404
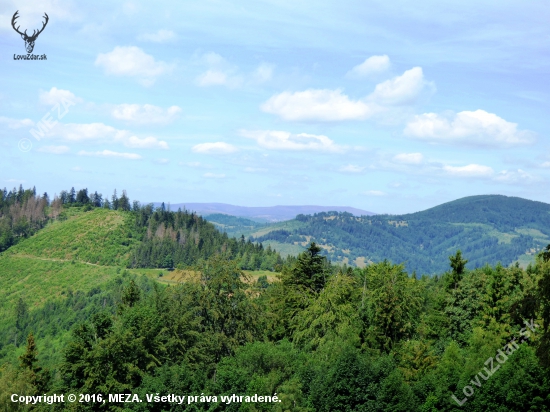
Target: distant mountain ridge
487, 228
264, 213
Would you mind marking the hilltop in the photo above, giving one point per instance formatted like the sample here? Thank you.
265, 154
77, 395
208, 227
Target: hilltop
488, 229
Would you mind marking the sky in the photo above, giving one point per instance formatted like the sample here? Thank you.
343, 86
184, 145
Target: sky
390, 107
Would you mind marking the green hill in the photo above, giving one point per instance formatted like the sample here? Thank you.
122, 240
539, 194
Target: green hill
488, 229
101, 236
77, 264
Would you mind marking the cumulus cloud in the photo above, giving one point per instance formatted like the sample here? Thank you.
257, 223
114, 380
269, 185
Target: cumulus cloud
16, 123
55, 96
214, 148
333, 105
478, 128
160, 36
471, 170
281, 140
351, 169
145, 143
134, 62
318, 104
110, 154
145, 113
102, 133
372, 65
404, 89
409, 158
54, 149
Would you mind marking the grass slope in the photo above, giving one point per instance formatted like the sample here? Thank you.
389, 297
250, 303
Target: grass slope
103, 237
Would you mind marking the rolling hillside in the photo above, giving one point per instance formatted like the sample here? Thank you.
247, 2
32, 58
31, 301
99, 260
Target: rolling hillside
78, 264
488, 229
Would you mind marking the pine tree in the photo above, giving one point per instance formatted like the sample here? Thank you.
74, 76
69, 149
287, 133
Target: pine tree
309, 270
29, 363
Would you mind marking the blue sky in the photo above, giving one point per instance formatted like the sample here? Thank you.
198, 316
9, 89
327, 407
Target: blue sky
391, 108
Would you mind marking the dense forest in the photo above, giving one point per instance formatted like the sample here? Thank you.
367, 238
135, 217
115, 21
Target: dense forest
489, 229
321, 338
314, 336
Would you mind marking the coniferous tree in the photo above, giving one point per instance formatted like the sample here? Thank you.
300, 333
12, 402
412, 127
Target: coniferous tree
114, 201
124, 202
29, 363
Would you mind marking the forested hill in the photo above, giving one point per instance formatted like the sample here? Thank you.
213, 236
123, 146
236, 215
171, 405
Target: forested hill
488, 229
506, 213
145, 237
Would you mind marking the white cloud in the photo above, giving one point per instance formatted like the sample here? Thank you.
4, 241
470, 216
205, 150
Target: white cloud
161, 36
351, 169
545, 165
409, 158
280, 140
55, 96
54, 149
401, 90
214, 176
145, 114
102, 133
317, 104
109, 153
478, 128
214, 148
372, 65
145, 143
471, 170
374, 193
132, 61
162, 161
16, 123
333, 105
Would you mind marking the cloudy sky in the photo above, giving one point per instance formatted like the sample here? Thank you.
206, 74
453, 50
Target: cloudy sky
389, 108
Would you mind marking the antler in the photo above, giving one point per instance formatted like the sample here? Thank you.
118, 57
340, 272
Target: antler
43, 25
15, 16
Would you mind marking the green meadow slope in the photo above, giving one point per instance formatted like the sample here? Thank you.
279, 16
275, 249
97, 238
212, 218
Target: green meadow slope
79, 253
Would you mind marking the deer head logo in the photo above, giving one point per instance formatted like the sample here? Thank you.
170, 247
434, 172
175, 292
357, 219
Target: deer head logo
29, 40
